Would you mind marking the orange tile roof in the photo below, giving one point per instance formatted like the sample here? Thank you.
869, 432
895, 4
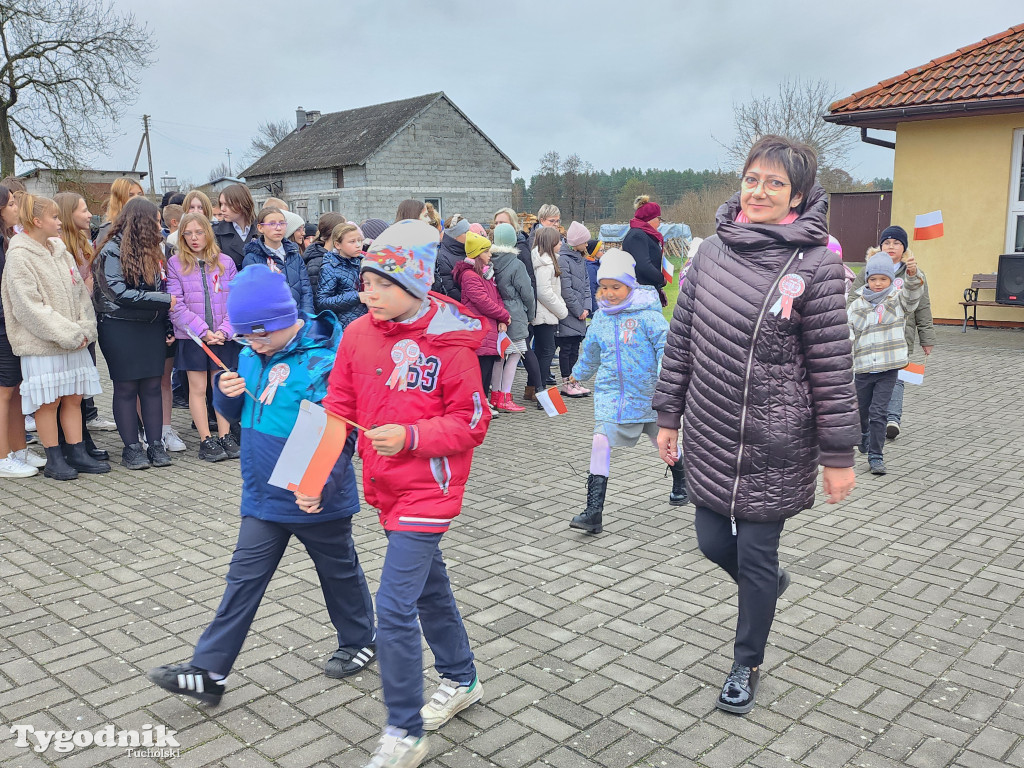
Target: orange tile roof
990, 70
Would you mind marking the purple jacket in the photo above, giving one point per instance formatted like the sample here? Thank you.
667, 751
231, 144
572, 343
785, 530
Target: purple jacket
190, 309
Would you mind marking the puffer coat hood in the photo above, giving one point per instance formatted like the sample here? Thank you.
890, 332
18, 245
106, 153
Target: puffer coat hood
292, 265
764, 385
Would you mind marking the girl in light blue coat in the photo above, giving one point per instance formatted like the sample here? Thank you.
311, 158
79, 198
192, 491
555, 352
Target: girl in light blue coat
623, 347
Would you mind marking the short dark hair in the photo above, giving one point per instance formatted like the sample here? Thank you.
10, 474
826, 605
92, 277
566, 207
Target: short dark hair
177, 198
798, 160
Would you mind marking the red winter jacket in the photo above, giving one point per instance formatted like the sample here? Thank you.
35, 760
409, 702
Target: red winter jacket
480, 296
437, 396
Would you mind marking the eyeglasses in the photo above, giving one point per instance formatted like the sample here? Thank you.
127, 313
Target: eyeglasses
552, 222
274, 224
770, 186
246, 339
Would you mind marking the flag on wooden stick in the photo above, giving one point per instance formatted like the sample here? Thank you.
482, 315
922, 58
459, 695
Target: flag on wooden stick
551, 401
928, 226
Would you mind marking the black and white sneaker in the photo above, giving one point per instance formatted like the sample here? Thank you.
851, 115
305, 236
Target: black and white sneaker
347, 661
188, 680
230, 446
211, 450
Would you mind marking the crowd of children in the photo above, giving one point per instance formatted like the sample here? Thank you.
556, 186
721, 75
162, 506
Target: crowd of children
417, 329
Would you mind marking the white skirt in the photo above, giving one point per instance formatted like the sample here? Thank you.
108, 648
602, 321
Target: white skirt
47, 377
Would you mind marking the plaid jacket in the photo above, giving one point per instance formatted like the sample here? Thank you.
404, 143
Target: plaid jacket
879, 333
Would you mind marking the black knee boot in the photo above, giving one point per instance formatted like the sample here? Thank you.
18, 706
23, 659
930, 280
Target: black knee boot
678, 496
590, 519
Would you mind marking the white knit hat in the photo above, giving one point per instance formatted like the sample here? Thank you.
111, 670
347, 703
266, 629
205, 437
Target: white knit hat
616, 264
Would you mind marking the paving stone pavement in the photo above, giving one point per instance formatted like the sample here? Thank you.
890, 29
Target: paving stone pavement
898, 644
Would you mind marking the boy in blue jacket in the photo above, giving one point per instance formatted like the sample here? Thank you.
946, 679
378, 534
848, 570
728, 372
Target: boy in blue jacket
286, 360
623, 346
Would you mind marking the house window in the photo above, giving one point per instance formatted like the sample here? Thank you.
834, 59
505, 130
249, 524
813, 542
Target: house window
328, 204
436, 202
301, 207
1015, 224
339, 178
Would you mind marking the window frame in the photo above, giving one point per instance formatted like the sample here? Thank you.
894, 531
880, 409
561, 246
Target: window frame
437, 202
1015, 209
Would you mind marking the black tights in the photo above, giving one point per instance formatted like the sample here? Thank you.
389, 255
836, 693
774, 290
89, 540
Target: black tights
147, 393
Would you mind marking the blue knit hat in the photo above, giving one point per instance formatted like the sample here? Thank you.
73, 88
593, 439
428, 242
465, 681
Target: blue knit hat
259, 300
405, 253
880, 264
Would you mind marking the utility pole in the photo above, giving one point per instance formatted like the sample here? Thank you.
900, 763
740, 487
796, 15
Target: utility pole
149, 152
229, 161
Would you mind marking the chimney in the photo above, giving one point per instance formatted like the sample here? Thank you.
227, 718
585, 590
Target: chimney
312, 116
300, 118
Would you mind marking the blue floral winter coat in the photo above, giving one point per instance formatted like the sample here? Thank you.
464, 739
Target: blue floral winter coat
624, 349
338, 288
293, 267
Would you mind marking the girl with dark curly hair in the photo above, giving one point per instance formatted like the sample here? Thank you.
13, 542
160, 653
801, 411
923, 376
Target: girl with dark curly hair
132, 306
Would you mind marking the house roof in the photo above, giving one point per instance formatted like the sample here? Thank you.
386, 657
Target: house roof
39, 169
987, 76
351, 137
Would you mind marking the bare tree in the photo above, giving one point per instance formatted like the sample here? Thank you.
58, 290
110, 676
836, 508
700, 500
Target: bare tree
698, 208
269, 134
219, 171
795, 112
69, 67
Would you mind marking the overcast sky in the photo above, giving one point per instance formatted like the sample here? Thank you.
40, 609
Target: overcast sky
647, 84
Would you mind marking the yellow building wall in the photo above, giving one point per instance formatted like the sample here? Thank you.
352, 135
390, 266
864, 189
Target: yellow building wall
960, 166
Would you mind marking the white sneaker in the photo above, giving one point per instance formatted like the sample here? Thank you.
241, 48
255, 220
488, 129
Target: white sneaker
26, 456
30, 424
449, 699
172, 441
398, 750
12, 467
100, 425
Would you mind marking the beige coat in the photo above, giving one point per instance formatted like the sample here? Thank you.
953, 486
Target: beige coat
46, 303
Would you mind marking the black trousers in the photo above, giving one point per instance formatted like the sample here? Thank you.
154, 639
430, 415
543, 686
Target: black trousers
544, 346
874, 391
568, 353
751, 558
486, 369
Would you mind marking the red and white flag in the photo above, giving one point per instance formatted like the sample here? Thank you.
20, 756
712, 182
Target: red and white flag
928, 226
504, 342
667, 268
551, 401
311, 451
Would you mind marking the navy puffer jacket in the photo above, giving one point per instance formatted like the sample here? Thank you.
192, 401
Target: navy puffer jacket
764, 398
338, 289
292, 265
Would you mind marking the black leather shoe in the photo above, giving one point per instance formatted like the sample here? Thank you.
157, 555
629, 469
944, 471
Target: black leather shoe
78, 457
590, 519
740, 690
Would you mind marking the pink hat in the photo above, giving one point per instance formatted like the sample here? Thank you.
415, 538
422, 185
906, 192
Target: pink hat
478, 228
577, 234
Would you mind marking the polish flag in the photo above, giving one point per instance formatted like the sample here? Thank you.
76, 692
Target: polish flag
310, 452
667, 269
551, 401
912, 374
504, 342
928, 226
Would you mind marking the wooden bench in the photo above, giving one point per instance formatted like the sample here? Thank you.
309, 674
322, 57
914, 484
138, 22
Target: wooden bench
980, 282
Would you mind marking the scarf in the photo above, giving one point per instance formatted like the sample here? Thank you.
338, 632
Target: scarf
646, 227
741, 218
614, 309
876, 297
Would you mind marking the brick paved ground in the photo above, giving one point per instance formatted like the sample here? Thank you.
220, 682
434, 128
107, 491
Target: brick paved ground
899, 642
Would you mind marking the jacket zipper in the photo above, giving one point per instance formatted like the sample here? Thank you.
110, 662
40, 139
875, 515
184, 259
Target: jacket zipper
746, 384
618, 367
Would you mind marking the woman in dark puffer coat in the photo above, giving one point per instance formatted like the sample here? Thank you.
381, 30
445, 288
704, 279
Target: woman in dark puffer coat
758, 361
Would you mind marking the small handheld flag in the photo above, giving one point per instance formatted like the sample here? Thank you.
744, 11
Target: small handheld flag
667, 268
551, 401
504, 342
928, 226
311, 451
912, 374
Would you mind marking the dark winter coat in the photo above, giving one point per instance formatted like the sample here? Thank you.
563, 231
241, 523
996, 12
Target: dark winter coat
294, 269
449, 253
338, 289
526, 256
113, 297
314, 259
575, 292
230, 243
480, 296
515, 289
764, 399
592, 266
646, 252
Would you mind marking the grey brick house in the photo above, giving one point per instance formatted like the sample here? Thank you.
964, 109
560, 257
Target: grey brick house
363, 162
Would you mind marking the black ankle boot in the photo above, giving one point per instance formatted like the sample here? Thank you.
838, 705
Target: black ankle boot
590, 519
78, 457
92, 449
678, 496
57, 467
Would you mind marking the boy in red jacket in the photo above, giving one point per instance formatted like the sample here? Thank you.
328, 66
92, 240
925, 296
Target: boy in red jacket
408, 371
